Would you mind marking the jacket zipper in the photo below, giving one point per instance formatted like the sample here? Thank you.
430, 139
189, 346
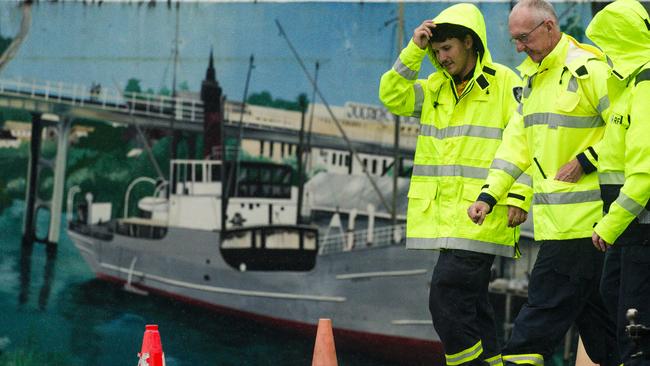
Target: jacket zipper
539, 167
453, 90
468, 88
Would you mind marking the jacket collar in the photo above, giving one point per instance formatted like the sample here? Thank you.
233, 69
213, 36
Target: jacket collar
554, 59
479, 76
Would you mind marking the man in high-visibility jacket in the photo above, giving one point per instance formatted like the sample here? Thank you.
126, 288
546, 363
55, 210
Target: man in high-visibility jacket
557, 130
463, 108
622, 31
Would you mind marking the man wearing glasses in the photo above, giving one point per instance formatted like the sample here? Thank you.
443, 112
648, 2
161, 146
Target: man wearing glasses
463, 108
557, 131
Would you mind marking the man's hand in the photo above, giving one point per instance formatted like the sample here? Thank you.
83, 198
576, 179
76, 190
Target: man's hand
599, 243
570, 172
423, 33
516, 216
477, 212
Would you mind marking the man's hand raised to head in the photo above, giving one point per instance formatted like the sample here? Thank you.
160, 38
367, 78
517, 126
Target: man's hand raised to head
423, 33
477, 212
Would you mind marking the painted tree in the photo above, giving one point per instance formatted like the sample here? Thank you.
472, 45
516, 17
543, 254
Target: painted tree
11, 49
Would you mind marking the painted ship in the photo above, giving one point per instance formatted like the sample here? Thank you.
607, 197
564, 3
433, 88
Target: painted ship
243, 238
264, 265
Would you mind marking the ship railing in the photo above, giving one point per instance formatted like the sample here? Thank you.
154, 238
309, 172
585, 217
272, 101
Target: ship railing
358, 239
106, 98
130, 187
71, 215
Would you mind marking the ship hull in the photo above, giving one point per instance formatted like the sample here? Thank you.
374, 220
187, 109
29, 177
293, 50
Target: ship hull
377, 296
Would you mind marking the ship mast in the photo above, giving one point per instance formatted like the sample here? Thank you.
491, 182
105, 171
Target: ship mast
396, 155
308, 159
174, 142
175, 51
240, 136
351, 148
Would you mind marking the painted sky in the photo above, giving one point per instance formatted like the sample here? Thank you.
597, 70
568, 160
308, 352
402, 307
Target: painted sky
77, 43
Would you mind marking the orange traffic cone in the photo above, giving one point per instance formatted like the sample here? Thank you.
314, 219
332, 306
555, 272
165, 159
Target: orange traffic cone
152, 352
324, 350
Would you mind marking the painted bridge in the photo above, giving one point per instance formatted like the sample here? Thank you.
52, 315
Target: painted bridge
69, 102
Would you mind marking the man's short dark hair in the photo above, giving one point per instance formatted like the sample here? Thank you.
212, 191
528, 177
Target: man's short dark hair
444, 31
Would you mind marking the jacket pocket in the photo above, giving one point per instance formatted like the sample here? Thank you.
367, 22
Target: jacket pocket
561, 208
556, 186
471, 191
567, 101
495, 227
421, 195
422, 217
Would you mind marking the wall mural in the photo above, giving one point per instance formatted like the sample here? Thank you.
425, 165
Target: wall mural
230, 155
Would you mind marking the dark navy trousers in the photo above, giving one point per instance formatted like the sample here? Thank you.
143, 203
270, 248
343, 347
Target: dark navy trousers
563, 290
626, 280
460, 307
626, 284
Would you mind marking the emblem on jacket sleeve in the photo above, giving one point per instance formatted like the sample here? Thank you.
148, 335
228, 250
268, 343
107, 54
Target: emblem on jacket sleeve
517, 92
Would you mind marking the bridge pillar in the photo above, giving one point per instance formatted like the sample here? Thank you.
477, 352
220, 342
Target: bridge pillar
36, 163
56, 207
29, 231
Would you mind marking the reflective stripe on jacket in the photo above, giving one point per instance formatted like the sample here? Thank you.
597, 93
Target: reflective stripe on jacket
559, 119
625, 149
458, 138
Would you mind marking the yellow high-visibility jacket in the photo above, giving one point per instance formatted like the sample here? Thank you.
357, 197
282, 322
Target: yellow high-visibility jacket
459, 135
560, 118
624, 156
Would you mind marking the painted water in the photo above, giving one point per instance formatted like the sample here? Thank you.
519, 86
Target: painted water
54, 312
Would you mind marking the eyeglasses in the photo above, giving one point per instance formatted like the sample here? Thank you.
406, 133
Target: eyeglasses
523, 38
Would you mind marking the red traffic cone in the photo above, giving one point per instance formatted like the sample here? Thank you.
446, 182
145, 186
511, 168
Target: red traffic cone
324, 350
152, 352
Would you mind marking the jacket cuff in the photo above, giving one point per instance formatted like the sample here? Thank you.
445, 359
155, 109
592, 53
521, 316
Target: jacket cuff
485, 197
412, 55
609, 236
586, 164
518, 200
